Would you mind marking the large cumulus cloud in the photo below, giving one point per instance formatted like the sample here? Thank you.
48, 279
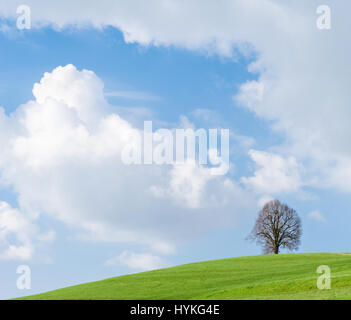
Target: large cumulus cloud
62, 157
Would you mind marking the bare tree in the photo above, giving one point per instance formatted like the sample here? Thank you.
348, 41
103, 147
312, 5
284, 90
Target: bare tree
277, 226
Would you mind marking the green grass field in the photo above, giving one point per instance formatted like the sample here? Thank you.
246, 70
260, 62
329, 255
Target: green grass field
285, 276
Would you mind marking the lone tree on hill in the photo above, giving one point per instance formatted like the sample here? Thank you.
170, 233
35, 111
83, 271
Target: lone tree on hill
277, 226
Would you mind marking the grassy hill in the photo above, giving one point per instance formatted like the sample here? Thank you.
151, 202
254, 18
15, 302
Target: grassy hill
285, 276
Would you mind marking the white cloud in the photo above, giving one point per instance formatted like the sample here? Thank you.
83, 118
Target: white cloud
139, 261
62, 156
196, 25
133, 95
20, 235
15, 228
186, 185
339, 174
250, 94
317, 216
275, 174
49, 236
193, 186
263, 200
163, 248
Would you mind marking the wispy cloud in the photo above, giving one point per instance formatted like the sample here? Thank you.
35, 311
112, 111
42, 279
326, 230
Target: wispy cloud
142, 261
317, 216
133, 95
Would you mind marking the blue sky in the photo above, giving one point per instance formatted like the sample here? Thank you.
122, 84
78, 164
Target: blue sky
273, 99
